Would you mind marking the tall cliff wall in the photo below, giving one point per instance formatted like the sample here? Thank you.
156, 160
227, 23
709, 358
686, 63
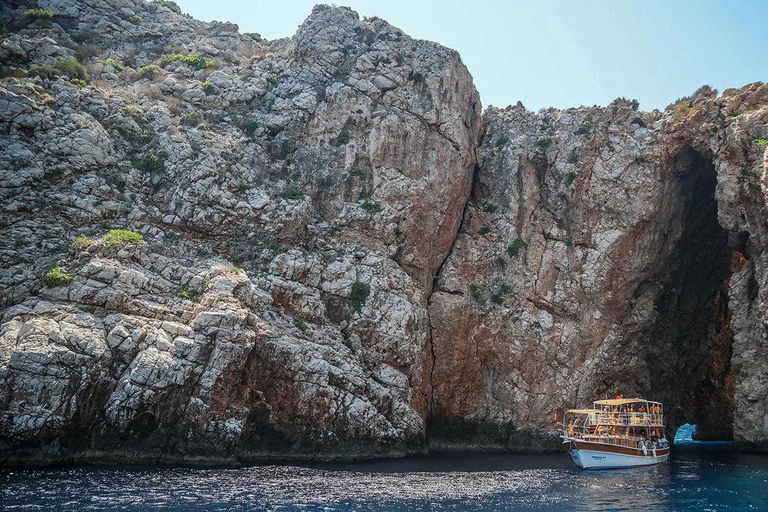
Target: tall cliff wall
342, 258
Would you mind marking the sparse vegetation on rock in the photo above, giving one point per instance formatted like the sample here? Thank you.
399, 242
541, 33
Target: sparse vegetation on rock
123, 236
56, 276
359, 295
68, 67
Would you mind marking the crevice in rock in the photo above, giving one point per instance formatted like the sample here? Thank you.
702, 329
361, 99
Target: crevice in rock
435, 279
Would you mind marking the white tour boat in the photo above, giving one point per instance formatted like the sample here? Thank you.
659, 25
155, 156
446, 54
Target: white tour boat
616, 433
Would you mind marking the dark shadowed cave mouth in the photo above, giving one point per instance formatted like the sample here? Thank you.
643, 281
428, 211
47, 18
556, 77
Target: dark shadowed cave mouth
690, 345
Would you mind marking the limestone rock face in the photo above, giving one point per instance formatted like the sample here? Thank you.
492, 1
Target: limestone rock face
607, 251
342, 258
295, 198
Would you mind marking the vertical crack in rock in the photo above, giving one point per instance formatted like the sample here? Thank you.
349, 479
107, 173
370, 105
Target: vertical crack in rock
434, 287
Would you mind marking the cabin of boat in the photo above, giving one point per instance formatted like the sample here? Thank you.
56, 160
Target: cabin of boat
619, 432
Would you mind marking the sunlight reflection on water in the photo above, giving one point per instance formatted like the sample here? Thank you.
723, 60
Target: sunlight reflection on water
693, 480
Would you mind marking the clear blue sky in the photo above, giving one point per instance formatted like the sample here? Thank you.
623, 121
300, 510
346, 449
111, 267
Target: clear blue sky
560, 53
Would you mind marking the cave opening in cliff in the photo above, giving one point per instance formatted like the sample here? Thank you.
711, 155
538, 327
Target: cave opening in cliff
690, 361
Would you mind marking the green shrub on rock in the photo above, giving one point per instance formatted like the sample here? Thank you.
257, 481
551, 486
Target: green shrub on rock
359, 295
250, 127
514, 248
187, 294
583, 130
56, 276
114, 64
38, 14
80, 244
68, 67
149, 70
168, 4
192, 60
151, 164
475, 293
370, 206
123, 236
291, 194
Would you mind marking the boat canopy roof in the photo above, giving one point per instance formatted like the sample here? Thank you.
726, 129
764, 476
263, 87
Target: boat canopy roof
582, 411
623, 401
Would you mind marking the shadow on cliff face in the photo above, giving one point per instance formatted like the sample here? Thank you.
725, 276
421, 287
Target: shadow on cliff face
689, 358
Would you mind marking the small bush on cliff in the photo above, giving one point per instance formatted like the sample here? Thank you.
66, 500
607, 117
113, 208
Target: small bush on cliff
639, 121
300, 325
583, 130
684, 108
514, 248
168, 4
570, 178
149, 71
192, 60
417, 77
498, 295
573, 157
370, 206
485, 230
38, 14
544, 141
151, 164
291, 193
56, 276
194, 118
341, 139
68, 67
499, 146
80, 244
759, 142
187, 294
359, 295
123, 236
276, 248
475, 294
114, 64
250, 127
490, 208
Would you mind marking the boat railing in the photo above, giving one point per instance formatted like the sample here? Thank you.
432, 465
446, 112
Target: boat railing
628, 419
616, 439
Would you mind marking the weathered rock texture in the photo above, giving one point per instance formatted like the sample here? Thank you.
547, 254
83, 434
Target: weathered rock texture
343, 259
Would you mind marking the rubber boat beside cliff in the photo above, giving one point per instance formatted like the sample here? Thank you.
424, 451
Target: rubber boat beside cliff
616, 433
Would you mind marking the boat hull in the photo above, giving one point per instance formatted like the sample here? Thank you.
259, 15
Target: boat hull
603, 456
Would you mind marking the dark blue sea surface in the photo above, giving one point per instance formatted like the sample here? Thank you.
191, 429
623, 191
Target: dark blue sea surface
699, 476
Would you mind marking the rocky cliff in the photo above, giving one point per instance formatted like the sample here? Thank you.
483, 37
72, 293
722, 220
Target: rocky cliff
224, 249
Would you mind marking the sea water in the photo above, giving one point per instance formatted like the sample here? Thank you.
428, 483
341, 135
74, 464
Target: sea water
699, 476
